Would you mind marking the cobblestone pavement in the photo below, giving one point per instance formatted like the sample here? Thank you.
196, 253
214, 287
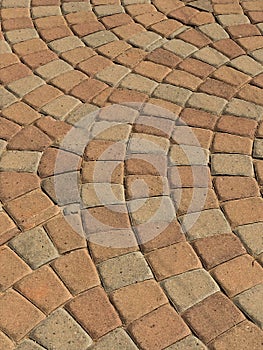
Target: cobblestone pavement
187, 287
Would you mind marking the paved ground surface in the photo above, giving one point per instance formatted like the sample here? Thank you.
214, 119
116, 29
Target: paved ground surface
189, 287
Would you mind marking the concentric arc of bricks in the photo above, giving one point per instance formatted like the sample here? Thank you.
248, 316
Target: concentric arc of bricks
196, 284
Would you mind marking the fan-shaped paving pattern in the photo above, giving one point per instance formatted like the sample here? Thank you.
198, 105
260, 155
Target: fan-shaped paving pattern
187, 287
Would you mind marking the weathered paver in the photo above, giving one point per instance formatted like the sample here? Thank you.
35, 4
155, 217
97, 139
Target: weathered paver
131, 174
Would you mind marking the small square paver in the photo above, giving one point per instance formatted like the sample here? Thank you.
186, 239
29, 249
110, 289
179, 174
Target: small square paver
96, 194
205, 223
124, 270
61, 106
189, 288
180, 47
34, 247
94, 312
212, 317
153, 209
247, 65
44, 289
53, 69
78, 260
139, 83
173, 260
145, 143
214, 31
117, 340
144, 40
113, 74
245, 109
6, 98
217, 249
99, 38
65, 44
238, 274
211, 56
232, 164
158, 329
25, 85
61, 331
250, 301
207, 102
137, 300
252, 237
25, 320
22, 161
172, 93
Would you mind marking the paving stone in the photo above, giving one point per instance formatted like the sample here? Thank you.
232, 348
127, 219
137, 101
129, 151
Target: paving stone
238, 274
137, 300
144, 40
110, 131
20, 161
87, 276
12, 268
19, 35
44, 289
124, 270
61, 107
236, 209
247, 65
139, 83
258, 148
204, 224
8, 129
95, 194
107, 10
214, 31
235, 187
117, 339
143, 186
223, 315
231, 76
208, 103
173, 260
237, 125
65, 44
29, 138
113, 74
35, 247
15, 184
40, 11
23, 86
189, 288
20, 113
76, 6
249, 302
53, 69
188, 155
244, 335
232, 19
217, 249
188, 343
180, 48
160, 328
94, 312
26, 319
232, 164
211, 56
100, 38
59, 331
223, 143
189, 176
252, 237
173, 94
144, 143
